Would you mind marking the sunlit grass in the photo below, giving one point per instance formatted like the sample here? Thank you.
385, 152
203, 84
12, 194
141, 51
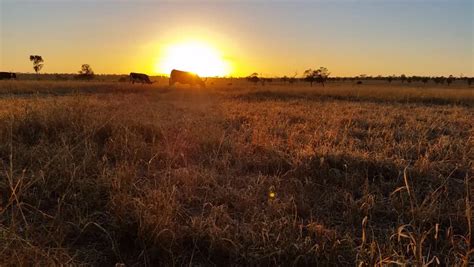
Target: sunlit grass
105, 173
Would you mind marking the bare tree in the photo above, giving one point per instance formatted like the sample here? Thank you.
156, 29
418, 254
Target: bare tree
320, 75
37, 62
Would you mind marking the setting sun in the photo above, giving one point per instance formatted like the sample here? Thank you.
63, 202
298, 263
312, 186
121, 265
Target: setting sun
196, 57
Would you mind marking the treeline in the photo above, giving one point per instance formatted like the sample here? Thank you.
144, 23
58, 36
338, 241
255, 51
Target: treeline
321, 76
71, 77
310, 77
407, 79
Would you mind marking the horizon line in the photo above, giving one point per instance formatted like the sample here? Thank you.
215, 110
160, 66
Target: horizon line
265, 76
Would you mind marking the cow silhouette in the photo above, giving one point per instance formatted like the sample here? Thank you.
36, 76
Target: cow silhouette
184, 77
139, 78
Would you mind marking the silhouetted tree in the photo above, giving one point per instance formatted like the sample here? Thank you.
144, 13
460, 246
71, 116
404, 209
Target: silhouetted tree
450, 79
284, 79
403, 78
320, 75
439, 80
292, 80
389, 79
425, 79
86, 72
309, 76
414, 78
470, 81
37, 62
254, 78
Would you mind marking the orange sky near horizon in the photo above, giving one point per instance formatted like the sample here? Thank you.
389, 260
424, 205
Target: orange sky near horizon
239, 38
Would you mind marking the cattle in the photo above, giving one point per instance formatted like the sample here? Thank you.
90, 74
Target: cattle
139, 78
184, 77
7, 75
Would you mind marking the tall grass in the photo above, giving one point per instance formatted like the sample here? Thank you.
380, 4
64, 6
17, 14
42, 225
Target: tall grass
109, 173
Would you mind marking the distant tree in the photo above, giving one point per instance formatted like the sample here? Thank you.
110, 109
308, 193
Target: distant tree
320, 75
414, 78
86, 72
425, 80
389, 79
439, 80
254, 78
292, 80
309, 76
450, 79
284, 79
37, 62
403, 78
323, 74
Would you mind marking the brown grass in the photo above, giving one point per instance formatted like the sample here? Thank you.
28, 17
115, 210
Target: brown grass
106, 173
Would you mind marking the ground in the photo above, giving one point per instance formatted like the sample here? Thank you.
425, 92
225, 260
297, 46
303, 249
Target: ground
106, 172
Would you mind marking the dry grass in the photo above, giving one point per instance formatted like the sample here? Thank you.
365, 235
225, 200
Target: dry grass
105, 173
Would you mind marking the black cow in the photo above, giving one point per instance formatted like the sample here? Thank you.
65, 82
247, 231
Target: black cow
7, 75
184, 77
139, 78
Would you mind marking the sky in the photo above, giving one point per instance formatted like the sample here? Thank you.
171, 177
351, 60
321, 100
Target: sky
273, 38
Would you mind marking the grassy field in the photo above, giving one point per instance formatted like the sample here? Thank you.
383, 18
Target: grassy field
104, 173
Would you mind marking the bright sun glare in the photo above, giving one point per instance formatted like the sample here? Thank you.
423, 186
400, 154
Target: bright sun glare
196, 57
